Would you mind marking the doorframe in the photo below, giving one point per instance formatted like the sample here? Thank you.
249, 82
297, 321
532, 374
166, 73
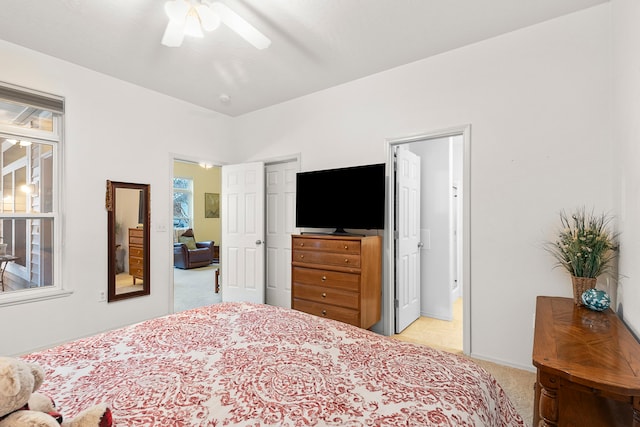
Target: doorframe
173, 157
388, 306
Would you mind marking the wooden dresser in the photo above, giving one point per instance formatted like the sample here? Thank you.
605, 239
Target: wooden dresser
588, 367
136, 253
338, 277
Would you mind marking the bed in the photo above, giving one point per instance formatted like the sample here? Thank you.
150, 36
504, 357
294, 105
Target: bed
256, 365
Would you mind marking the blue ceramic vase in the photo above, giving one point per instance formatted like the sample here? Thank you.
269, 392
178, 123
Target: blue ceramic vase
596, 299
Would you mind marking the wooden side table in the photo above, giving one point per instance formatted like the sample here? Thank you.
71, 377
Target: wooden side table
588, 367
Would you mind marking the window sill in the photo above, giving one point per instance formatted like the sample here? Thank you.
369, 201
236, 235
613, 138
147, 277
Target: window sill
31, 295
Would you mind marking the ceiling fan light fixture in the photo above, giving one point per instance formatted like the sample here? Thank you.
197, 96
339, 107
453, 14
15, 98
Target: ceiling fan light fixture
187, 18
192, 25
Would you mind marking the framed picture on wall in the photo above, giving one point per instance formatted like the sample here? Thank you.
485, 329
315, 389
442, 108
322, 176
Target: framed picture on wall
211, 205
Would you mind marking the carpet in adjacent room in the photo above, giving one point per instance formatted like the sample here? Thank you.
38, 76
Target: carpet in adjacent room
194, 287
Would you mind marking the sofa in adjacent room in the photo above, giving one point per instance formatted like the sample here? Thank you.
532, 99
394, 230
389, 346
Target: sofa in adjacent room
187, 253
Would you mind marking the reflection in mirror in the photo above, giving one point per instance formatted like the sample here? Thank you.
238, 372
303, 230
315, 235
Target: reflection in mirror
128, 221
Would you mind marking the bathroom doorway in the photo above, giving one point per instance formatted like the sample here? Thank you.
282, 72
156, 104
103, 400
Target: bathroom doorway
438, 257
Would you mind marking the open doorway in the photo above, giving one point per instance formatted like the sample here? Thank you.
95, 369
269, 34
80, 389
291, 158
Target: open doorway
278, 216
430, 250
196, 234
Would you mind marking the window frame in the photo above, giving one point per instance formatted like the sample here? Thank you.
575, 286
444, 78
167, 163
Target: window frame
191, 201
54, 138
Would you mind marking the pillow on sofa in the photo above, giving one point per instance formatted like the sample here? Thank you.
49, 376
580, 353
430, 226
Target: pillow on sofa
188, 240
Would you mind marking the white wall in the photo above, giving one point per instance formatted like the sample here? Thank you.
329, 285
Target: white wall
538, 101
118, 131
626, 78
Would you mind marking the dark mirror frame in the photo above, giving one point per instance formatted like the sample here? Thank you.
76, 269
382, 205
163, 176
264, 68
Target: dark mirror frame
110, 204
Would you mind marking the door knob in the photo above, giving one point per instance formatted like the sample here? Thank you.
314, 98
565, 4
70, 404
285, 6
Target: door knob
259, 242
420, 245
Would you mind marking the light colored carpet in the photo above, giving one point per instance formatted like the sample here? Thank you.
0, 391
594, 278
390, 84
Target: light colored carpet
194, 288
516, 383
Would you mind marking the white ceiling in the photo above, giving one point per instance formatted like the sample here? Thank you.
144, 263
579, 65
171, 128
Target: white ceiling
316, 44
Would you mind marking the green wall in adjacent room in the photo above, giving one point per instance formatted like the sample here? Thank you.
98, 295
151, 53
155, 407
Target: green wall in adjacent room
204, 181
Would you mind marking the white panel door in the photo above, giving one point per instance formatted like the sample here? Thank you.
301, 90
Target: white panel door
408, 238
281, 221
242, 246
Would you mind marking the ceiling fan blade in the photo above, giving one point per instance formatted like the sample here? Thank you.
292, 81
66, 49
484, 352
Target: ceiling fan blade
208, 18
177, 10
174, 34
240, 26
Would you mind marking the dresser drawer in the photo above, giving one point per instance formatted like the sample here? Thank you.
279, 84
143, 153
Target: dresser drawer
327, 258
135, 251
329, 311
326, 278
135, 262
327, 245
136, 271
327, 295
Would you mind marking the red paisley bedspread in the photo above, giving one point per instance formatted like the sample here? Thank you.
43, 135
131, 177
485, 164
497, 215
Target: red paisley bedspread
256, 365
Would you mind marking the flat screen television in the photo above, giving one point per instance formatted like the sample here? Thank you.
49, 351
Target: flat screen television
351, 197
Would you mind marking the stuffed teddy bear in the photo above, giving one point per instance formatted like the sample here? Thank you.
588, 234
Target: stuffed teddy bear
21, 405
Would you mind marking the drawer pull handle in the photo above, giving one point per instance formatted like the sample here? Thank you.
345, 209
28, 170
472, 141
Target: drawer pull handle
302, 244
346, 260
324, 278
346, 246
324, 312
324, 295
301, 256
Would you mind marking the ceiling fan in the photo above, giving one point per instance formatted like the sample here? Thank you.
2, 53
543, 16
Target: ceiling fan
190, 17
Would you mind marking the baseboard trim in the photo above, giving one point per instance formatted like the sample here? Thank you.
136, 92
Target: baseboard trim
530, 368
436, 316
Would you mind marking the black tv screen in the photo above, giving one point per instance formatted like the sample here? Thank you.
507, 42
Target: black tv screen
342, 198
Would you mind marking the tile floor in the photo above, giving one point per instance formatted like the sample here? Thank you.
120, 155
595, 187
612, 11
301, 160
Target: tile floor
441, 334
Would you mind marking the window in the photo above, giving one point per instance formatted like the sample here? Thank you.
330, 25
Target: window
30, 139
182, 202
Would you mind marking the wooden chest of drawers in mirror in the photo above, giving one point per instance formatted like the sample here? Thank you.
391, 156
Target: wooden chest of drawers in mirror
136, 253
338, 277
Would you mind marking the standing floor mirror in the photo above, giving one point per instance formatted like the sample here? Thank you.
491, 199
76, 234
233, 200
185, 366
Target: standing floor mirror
128, 228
